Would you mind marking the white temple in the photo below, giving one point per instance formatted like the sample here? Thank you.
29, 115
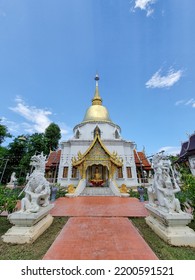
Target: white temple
97, 155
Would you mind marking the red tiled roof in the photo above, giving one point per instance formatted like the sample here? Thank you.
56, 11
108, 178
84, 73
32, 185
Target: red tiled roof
53, 159
140, 159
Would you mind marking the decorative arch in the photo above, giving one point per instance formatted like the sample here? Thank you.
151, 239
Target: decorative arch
97, 154
97, 131
77, 135
116, 134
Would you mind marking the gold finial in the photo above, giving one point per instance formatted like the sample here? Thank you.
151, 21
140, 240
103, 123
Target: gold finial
97, 78
97, 99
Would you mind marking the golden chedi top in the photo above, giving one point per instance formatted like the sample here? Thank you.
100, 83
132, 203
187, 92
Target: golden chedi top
97, 112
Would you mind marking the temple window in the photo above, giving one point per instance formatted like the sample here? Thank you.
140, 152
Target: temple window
129, 173
65, 172
77, 136
97, 131
117, 136
120, 172
74, 172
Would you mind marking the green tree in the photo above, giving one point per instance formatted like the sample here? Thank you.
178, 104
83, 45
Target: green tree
3, 132
19, 153
22, 148
35, 144
52, 137
187, 194
3, 152
16, 151
3, 161
188, 188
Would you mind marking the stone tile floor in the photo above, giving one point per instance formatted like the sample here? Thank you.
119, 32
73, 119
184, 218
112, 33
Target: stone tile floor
99, 230
99, 238
99, 206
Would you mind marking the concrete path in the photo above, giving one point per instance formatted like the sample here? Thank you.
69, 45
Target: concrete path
99, 230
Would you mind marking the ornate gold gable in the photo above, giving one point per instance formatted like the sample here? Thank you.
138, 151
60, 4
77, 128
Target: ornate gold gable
97, 154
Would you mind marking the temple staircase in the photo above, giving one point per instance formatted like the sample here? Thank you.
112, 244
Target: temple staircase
97, 191
111, 189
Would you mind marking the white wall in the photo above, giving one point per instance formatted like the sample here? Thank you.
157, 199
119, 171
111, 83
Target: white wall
87, 130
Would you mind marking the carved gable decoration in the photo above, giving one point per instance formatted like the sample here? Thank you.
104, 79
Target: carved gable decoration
97, 152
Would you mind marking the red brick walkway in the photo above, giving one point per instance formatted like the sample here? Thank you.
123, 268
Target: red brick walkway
99, 230
99, 206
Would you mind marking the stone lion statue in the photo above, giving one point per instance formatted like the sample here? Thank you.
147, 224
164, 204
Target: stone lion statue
162, 192
37, 190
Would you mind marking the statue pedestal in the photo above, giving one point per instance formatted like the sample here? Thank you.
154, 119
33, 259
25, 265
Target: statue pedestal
97, 182
70, 195
10, 186
171, 227
124, 194
28, 226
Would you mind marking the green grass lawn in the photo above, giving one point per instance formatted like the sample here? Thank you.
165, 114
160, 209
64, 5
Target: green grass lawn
38, 249
34, 251
162, 249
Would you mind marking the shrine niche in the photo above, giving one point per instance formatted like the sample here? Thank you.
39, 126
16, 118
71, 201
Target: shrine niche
97, 175
97, 165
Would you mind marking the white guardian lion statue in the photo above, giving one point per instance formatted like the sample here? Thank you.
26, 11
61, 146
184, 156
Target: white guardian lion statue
37, 189
162, 192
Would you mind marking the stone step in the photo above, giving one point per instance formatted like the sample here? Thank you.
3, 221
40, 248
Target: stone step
97, 191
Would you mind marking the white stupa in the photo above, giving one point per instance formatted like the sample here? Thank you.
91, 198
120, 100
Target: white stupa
97, 155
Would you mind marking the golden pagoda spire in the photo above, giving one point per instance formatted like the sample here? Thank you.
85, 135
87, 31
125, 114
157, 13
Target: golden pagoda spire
96, 99
97, 112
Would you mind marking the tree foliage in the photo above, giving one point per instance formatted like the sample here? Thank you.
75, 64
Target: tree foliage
187, 185
3, 132
188, 188
8, 199
19, 152
52, 137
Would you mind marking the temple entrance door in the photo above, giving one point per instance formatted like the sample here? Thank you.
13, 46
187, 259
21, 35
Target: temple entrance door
97, 175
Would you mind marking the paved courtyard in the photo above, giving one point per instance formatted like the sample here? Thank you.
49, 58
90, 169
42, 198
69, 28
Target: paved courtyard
98, 229
99, 206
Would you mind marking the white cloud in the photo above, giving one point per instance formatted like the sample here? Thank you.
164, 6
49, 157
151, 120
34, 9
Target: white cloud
170, 150
177, 103
36, 119
168, 80
190, 102
13, 127
145, 5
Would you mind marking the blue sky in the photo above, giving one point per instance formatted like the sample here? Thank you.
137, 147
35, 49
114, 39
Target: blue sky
143, 51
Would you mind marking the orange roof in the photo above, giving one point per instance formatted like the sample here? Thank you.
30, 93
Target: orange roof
140, 159
53, 159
